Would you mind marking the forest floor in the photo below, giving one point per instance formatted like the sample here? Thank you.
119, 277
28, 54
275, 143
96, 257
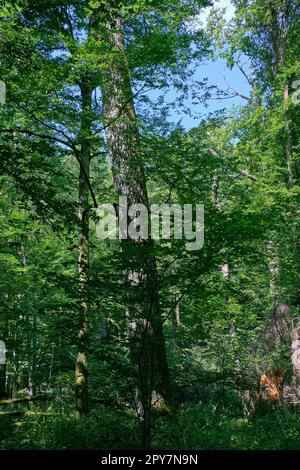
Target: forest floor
196, 427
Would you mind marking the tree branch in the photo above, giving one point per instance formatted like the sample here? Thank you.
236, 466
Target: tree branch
237, 93
36, 134
241, 171
61, 141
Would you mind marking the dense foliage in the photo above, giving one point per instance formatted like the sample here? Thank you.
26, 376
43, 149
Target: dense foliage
87, 117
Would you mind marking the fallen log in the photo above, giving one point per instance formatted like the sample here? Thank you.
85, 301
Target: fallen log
13, 401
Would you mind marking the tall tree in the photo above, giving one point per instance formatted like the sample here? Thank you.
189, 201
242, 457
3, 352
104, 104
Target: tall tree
148, 351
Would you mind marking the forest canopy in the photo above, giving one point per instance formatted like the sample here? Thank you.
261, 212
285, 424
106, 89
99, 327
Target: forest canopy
149, 224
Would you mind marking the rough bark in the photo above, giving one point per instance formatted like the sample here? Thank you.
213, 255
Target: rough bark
147, 342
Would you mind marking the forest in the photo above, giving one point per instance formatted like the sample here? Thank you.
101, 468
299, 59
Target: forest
121, 116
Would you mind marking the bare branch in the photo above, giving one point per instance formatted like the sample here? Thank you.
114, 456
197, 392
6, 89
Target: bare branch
246, 76
237, 93
241, 171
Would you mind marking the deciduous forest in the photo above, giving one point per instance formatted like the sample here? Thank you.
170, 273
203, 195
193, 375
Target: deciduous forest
140, 342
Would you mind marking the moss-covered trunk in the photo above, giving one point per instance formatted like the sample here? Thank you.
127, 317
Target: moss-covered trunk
84, 157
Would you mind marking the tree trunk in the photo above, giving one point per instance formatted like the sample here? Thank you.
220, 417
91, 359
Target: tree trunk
147, 343
3, 359
177, 310
84, 157
2, 380
295, 355
280, 26
32, 355
15, 361
288, 139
